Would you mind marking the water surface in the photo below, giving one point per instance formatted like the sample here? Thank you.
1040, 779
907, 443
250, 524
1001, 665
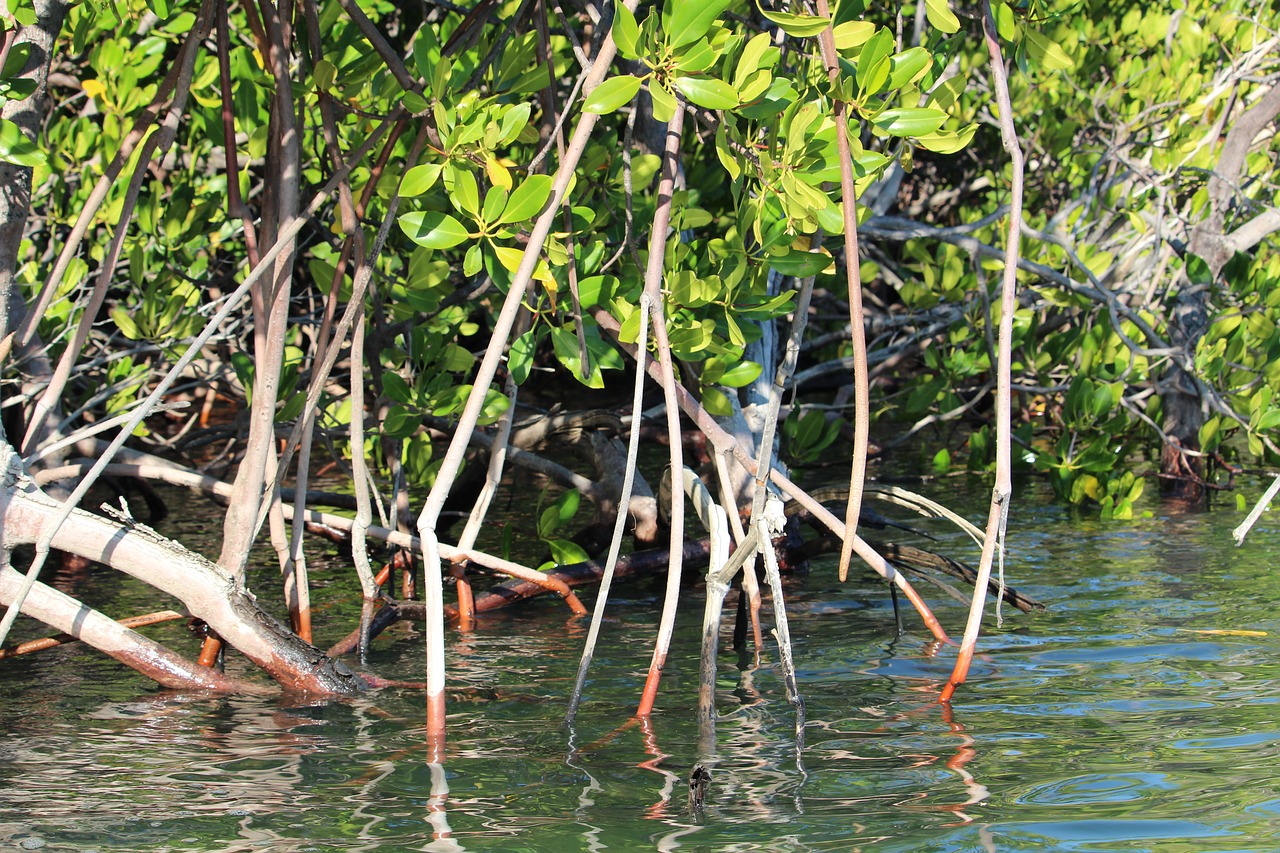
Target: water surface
1130, 716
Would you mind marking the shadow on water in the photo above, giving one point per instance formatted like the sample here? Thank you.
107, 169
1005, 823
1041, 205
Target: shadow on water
1136, 714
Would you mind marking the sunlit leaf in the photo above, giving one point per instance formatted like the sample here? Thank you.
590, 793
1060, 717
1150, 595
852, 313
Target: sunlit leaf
611, 94
685, 21
527, 199
940, 16
910, 121
626, 32
708, 92
800, 26
433, 229
16, 148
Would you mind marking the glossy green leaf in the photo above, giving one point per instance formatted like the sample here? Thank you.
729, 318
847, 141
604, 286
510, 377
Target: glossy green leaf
527, 199
906, 67
626, 32
716, 402
800, 26
742, 373
611, 94
685, 21
16, 148
853, 34
910, 121
708, 92
596, 290
664, 103
420, 179
433, 229
16, 60
495, 201
520, 356
940, 16
801, 264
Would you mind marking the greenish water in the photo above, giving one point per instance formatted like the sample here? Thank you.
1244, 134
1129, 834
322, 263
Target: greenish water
1112, 722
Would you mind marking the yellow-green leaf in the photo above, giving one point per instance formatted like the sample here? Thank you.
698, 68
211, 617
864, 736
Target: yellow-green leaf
1047, 53
940, 16
611, 94
708, 92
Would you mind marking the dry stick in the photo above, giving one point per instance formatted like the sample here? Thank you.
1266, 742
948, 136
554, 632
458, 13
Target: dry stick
853, 275
203, 482
239, 530
719, 577
157, 141
769, 524
433, 594
723, 442
764, 522
164, 666
667, 381
360, 476
355, 305
750, 583
620, 523
999, 515
1245, 526
145, 408
296, 561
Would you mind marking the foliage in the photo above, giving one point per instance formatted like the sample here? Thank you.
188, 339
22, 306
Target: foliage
1122, 106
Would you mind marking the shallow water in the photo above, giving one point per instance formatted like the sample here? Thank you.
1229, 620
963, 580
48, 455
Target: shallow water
1125, 718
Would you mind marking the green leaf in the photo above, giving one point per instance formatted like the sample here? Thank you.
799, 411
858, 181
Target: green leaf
685, 21
596, 289
752, 58
742, 373
124, 321
1047, 53
16, 148
946, 141
801, 264
495, 201
16, 61
626, 33
800, 26
716, 402
473, 262
941, 17
611, 94
852, 34
874, 52
567, 552
910, 121
394, 386
906, 66
708, 92
418, 180
400, 422
527, 199
433, 229
664, 103
520, 356
465, 191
